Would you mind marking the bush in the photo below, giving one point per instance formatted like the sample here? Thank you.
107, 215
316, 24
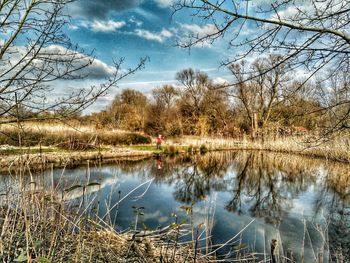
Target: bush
72, 140
203, 149
190, 149
124, 138
174, 131
171, 149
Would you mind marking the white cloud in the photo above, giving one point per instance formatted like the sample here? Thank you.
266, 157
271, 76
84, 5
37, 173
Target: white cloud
220, 81
194, 32
73, 27
289, 12
103, 26
200, 31
136, 21
306, 9
155, 36
106, 26
149, 82
99, 69
96, 70
164, 3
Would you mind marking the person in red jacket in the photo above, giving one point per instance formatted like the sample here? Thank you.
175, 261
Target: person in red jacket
159, 140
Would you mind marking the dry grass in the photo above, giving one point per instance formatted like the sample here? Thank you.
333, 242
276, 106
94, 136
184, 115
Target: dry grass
68, 137
79, 137
51, 127
36, 226
67, 158
336, 149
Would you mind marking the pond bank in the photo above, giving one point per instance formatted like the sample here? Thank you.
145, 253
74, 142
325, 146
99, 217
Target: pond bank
61, 158
336, 150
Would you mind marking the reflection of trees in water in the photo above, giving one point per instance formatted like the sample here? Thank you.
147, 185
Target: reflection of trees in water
262, 183
337, 180
339, 232
267, 183
133, 166
196, 178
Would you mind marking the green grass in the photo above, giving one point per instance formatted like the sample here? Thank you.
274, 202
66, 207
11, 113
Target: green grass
167, 149
144, 147
17, 151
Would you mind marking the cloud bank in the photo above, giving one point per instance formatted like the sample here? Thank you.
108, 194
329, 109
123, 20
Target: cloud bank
101, 9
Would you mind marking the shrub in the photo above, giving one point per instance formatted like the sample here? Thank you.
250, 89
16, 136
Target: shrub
190, 149
174, 131
71, 140
203, 149
171, 149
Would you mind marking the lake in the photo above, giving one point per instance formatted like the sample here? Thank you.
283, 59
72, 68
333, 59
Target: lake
242, 198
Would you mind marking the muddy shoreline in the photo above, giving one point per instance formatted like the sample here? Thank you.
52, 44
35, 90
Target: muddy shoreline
37, 161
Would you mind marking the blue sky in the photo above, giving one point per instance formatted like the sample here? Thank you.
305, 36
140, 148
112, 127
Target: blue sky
139, 28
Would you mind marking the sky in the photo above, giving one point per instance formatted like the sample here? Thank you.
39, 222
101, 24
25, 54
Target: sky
135, 29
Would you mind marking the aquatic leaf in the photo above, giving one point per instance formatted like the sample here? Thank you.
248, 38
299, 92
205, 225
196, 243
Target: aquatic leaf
188, 209
201, 225
93, 184
22, 257
73, 188
42, 260
184, 221
173, 225
240, 246
38, 244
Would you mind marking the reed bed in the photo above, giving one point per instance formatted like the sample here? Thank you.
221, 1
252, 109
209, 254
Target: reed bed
37, 226
336, 149
67, 137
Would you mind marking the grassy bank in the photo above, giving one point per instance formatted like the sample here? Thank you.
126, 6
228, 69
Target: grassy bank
337, 149
63, 158
67, 137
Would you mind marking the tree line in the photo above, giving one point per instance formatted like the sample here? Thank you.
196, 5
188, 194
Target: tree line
275, 102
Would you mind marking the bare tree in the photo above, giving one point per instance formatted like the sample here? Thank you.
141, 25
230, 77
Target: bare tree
204, 107
128, 110
260, 95
312, 36
166, 94
163, 113
36, 56
191, 104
